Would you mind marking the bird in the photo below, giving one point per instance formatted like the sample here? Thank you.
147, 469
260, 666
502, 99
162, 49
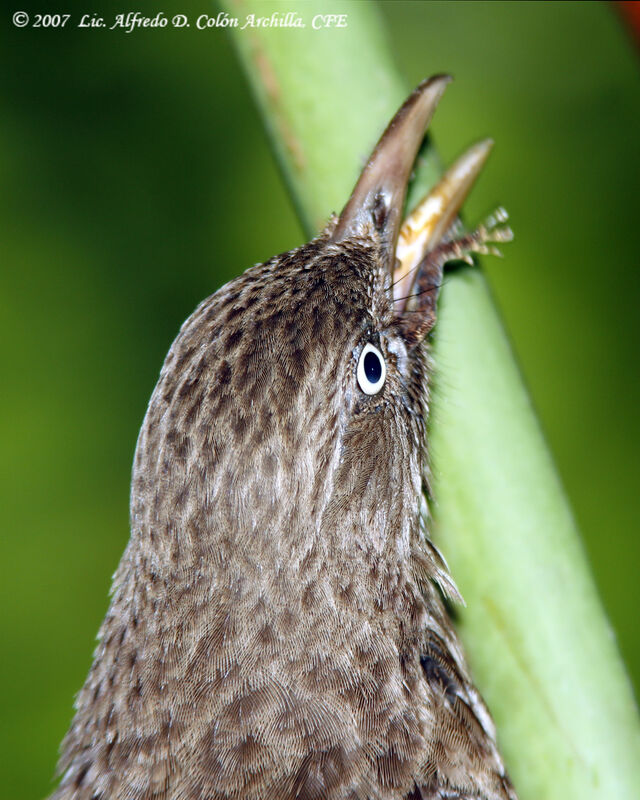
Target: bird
278, 625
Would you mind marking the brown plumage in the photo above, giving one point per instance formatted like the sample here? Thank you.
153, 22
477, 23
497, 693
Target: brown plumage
276, 629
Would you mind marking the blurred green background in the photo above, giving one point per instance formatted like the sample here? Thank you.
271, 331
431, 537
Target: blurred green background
135, 178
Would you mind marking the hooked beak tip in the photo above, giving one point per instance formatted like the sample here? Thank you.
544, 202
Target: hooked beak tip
378, 197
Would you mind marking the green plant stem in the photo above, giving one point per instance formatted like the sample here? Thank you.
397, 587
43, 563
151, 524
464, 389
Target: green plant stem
540, 646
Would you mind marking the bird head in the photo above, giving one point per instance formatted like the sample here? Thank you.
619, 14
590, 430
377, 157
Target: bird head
290, 411
274, 615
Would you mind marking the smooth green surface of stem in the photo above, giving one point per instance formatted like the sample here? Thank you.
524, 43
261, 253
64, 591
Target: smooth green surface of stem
541, 649
326, 96
540, 646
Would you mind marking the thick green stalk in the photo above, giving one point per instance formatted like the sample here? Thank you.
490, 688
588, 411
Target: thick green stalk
540, 646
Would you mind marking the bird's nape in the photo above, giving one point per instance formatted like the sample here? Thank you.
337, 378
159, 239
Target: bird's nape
277, 628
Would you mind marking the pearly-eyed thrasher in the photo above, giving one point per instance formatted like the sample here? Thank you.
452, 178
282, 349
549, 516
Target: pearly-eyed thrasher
277, 628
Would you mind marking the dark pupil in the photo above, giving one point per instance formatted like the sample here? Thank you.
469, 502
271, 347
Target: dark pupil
372, 367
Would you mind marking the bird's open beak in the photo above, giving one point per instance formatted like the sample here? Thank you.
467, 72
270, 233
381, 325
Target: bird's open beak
424, 228
379, 195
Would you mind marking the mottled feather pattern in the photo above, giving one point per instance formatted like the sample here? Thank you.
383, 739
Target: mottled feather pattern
274, 631
277, 628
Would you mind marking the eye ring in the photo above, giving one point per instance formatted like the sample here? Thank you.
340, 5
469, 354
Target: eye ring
372, 370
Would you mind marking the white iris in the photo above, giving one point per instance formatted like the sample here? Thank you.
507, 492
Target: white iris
372, 370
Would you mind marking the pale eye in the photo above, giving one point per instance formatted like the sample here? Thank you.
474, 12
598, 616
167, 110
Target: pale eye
372, 370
